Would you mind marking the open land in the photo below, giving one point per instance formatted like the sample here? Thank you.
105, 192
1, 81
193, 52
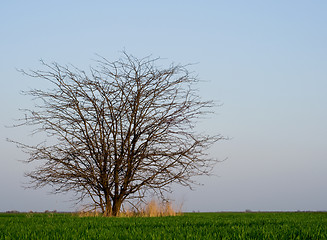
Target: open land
254, 225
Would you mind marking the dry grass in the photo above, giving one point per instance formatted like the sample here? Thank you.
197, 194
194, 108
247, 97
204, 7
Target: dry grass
151, 209
155, 209
89, 213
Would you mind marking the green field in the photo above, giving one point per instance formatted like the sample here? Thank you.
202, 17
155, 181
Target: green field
297, 225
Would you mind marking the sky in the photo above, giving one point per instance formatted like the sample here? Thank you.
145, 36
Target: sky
264, 61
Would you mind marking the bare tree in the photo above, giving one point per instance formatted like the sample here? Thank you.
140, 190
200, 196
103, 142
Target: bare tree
122, 130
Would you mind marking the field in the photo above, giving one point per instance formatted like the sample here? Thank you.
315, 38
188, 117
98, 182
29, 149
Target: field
296, 225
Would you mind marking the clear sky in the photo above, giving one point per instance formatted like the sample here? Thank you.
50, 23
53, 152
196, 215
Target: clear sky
266, 61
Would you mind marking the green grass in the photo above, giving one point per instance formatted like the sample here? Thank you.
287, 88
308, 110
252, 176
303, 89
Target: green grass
188, 226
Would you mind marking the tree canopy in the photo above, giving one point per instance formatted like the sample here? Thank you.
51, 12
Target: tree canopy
122, 129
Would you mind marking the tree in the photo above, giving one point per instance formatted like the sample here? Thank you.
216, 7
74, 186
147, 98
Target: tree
122, 130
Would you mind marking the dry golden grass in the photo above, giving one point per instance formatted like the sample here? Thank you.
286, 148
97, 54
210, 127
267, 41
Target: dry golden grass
88, 214
151, 209
155, 209
87, 211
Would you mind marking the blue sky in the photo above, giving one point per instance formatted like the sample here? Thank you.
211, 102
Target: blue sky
266, 61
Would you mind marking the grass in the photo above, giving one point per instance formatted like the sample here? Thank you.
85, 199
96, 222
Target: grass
297, 225
151, 209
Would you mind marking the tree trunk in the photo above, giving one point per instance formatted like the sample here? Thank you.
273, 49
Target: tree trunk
116, 207
108, 210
